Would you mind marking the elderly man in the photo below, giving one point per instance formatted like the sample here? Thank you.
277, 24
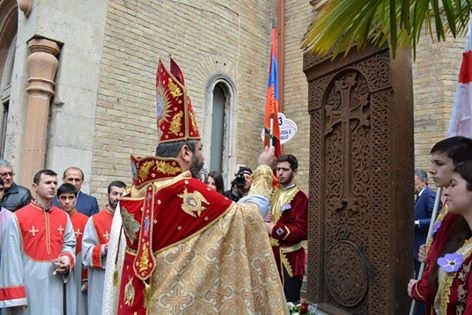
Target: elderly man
15, 196
85, 204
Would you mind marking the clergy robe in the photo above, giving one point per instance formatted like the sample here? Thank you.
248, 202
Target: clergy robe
94, 254
115, 256
76, 299
5, 215
210, 254
34, 239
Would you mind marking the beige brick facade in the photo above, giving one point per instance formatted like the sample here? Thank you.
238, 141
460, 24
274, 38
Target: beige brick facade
104, 106
232, 38
435, 74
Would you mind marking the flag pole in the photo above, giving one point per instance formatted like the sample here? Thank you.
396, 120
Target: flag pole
428, 238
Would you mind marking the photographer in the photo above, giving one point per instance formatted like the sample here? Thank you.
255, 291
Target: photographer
240, 185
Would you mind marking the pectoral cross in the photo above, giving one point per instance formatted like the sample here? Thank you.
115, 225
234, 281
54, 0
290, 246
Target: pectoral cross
33, 230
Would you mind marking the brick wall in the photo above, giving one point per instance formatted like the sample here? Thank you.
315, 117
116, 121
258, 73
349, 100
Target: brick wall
205, 37
231, 38
298, 16
435, 73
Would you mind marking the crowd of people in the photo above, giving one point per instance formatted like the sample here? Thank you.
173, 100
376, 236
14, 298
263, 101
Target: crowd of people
178, 244
175, 245
52, 252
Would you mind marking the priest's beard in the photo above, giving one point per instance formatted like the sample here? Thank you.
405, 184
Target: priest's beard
196, 167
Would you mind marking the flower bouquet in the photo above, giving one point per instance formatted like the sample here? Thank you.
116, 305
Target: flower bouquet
301, 308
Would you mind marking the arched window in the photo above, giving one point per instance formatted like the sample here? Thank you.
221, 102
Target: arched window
219, 127
8, 30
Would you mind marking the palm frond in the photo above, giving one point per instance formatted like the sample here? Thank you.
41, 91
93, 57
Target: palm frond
343, 24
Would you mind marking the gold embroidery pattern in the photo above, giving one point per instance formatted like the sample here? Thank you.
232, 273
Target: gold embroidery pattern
129, 292
446, 279
144, 261
130, 225
166, 168
176, 125
281, 197
461, 291
192, 203
174, 89
163, 104
193, 121
262, 182
144, 169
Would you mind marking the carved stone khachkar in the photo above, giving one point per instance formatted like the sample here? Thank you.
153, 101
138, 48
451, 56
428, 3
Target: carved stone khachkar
361, 182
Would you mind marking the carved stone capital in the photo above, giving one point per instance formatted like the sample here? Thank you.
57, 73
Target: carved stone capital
26, 6
42, 65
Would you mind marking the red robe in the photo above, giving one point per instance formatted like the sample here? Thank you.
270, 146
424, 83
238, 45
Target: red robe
34, 239
290, 214
453, 296
102, 227
422, 290
96, 237
174, 226
191, 250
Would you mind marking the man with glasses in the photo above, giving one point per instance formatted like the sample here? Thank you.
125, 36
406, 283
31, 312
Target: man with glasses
15, 196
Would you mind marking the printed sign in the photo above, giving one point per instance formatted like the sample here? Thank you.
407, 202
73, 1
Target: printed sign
288, 129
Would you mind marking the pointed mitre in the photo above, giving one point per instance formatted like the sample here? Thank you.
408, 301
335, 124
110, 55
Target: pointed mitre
175, 117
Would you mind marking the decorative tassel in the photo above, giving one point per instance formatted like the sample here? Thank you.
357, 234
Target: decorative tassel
147, 295
115, 276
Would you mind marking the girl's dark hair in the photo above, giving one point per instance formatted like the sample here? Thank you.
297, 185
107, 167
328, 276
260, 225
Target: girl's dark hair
218, 178
460, 230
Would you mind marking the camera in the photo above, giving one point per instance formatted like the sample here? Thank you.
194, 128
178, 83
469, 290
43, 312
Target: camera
240, 177
239, 180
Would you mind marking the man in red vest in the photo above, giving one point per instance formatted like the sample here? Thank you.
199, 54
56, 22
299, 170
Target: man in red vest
95, 246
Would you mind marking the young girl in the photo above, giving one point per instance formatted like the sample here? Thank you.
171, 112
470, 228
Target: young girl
453, 268
215, 181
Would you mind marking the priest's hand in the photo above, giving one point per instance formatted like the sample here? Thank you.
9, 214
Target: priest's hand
267, 157
84, 286
62, 265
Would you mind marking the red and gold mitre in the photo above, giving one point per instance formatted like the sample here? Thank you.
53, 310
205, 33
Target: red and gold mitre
175, 117
151, 168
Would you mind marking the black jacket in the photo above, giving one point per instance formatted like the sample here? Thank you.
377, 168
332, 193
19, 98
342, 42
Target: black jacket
16, 197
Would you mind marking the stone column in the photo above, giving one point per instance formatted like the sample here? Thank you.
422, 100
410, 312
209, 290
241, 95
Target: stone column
42, 66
